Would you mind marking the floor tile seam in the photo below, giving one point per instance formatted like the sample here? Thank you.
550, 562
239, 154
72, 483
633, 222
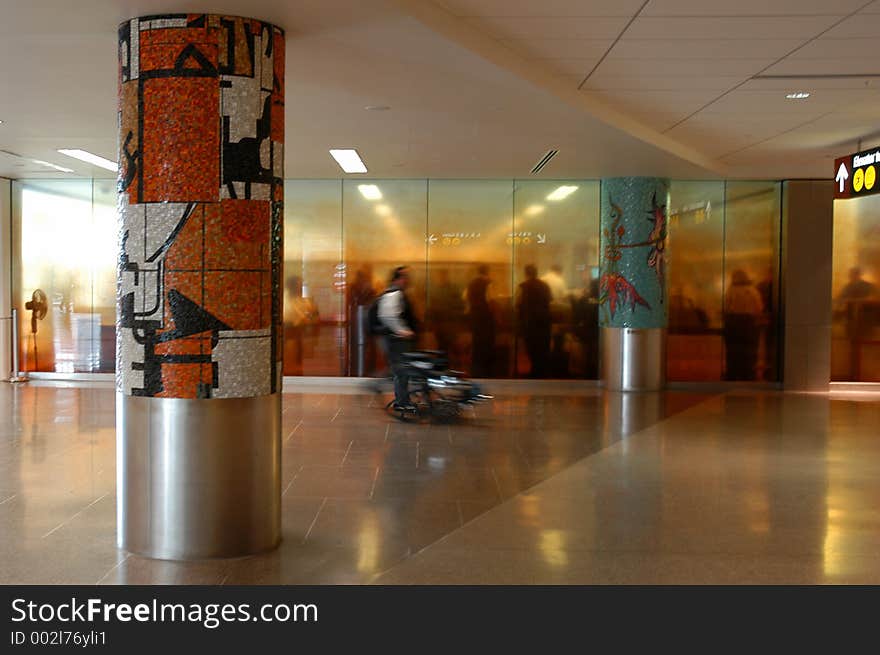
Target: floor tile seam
63, 523
506, 501
116, 566
534, 553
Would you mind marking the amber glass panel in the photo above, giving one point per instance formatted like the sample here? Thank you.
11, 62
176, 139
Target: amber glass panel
696, 281
314, 278
59, 251
384, 227
751, 263
469, 283
559, 236
855, 341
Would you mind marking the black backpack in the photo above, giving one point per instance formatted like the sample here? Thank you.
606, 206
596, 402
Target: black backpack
375, 326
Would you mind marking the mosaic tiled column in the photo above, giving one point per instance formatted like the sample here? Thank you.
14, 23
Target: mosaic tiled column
632, 283
198, 375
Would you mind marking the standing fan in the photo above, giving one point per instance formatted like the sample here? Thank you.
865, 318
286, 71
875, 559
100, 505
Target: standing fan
39, 306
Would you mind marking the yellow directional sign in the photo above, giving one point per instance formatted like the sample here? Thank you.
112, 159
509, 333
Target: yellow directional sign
856, 174
858, 180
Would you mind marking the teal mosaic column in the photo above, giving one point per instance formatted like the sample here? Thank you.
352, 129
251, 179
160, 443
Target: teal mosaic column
632, 281
632, 265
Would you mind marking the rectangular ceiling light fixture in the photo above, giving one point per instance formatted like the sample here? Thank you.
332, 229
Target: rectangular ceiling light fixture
561, 193
370, 191
349, 160
90, 158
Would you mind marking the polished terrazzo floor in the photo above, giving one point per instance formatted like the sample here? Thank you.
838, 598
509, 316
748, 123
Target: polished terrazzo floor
577, 486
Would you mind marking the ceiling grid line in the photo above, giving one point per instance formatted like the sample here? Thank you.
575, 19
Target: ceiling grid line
768, 67
614, 43
775, 136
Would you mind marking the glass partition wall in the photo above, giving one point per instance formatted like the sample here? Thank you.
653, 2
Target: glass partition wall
724, 281
467, 243
855, 284
66, 272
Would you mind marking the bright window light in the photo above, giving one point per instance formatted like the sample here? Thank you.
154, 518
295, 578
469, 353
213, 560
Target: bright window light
370, 191
90, 158
51, 165
800, 95
561, 193
349, 160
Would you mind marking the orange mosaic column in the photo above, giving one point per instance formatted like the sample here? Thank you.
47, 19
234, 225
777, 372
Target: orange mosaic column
198, 403
201, 118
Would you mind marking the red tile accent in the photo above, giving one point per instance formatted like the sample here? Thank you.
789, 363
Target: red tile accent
181, 140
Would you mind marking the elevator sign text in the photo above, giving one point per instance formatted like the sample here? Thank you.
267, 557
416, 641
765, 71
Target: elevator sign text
856, 175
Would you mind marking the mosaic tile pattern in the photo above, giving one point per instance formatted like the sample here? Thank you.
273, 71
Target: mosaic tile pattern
632, 250
201, 117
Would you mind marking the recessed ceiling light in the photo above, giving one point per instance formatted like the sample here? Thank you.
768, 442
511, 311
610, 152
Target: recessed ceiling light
800, 95
561, 193
377, 107
349, 160
370, 191
90, 158
51, 165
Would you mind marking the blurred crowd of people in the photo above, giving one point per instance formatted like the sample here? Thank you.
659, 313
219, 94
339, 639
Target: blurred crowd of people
543, 329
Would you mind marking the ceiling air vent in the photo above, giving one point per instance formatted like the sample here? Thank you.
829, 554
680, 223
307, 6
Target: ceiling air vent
544, 161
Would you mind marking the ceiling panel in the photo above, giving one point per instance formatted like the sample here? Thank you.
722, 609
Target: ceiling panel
859, 26
542, 8
684, 66
788, 85
846, 66
852, 48
637, 79
551, 28
703, 48
560, 48
729, 27
660, 109
769, 103
751, 7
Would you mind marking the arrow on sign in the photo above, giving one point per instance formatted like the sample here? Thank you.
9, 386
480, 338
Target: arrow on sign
542, 238
842, 175
432, 239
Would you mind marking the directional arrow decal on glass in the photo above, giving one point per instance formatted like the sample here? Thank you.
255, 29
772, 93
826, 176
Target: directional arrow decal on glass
542, 238
842, 176
432, 239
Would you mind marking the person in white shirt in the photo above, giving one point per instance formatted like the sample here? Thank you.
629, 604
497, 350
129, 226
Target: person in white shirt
556, 282
396, 314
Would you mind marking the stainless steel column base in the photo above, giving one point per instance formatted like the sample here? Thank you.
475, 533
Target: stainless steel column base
198, 478
633, 359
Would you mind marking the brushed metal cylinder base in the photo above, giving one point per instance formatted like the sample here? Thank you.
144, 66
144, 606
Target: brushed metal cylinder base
198, 478
633, 359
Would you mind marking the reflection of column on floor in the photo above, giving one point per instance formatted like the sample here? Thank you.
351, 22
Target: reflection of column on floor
628, 412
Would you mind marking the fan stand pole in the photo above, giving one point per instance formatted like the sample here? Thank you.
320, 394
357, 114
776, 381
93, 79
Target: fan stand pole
16, 375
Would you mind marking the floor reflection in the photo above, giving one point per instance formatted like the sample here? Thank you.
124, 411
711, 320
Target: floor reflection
361, 492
